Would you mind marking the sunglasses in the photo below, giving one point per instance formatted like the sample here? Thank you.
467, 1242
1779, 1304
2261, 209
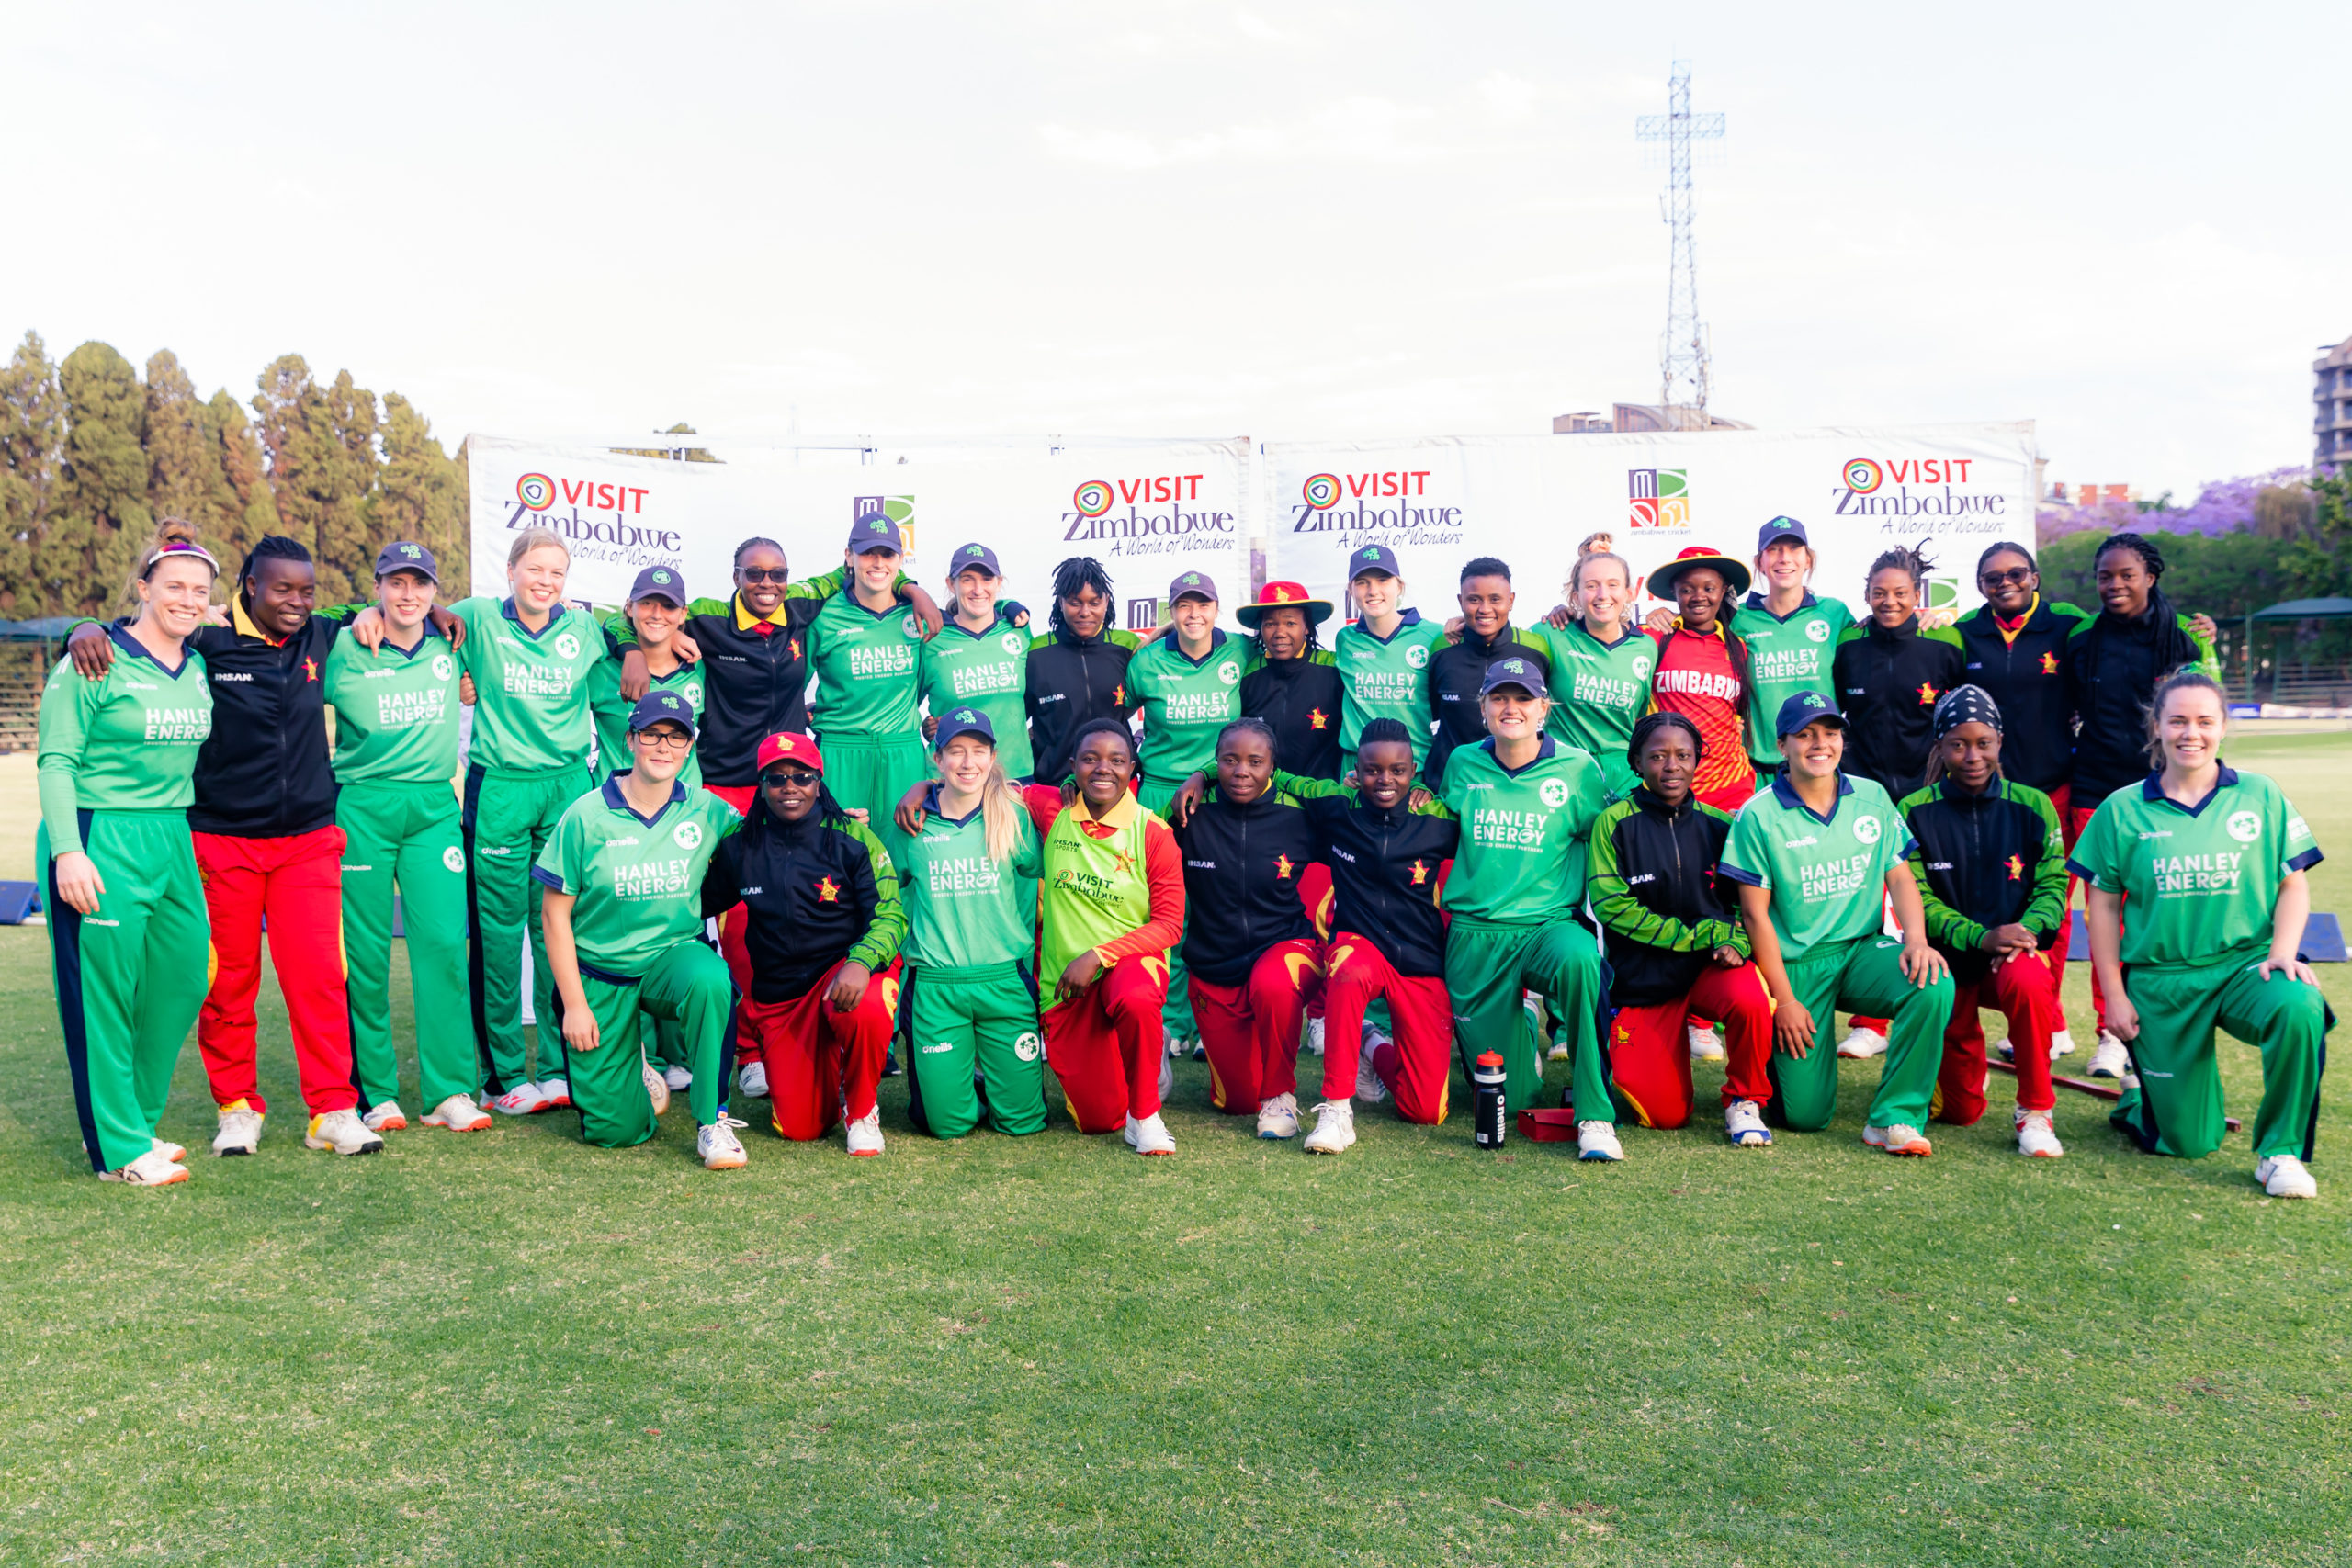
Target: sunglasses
775, 574
2016, 576
799, 778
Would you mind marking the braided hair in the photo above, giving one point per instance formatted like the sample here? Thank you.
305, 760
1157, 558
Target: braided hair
2006, 547
1073, 577
2139, 545
1252, 727
753, 544
1649, 724
1376, 730
271, 547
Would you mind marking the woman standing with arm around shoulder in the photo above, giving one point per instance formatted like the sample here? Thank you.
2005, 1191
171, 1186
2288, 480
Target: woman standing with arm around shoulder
1600, 666
126, 912
1383, 656
2211, 863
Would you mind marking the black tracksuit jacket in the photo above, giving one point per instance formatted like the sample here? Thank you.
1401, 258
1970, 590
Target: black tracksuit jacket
1243, 866
1662, 904
2112, 667
1073, 679
815, 892
2025, 675
1987, 860
1887, 682
1387, 872
1456, 671
1300, 698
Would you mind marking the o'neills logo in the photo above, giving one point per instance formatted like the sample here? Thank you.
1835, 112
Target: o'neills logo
1095, 509
1876, 487
547, 500
1330, 503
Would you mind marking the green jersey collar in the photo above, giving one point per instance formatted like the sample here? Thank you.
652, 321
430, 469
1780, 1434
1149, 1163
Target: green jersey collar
555, 615
619, 802
137, 649
1762, 605
424, 635
1786, 794
2152, 790
931, 807
1545, 751
1404, 618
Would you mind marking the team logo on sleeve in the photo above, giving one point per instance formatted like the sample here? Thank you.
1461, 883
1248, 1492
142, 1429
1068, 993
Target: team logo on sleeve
566, 646
687, 835
441, 666
1417, 656
1866, 828
1555, 792
1027, 1047
455, 859
2245, 827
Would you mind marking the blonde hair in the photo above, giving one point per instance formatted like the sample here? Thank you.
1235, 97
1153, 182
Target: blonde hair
530, 539
1000, 809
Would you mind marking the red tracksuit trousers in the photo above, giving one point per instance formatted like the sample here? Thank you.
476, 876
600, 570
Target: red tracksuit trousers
1104, 1045
733, 945
298, 883
1649, 1054
1416, 1066
2024, 989
1250, 1031
820, 1062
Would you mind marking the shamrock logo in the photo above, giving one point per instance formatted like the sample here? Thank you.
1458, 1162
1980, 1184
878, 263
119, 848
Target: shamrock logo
441, 666
687, 835
566, 646
2245, 827
455, 859
1554, 793
1866, 828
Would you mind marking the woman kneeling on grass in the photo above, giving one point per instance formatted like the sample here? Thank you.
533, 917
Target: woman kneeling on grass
623, 874
2211, 864
1813, 854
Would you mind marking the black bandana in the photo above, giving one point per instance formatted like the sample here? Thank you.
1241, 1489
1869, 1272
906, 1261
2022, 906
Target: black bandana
1966, 705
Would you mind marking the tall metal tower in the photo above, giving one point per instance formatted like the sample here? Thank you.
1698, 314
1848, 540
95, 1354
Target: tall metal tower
1684, 361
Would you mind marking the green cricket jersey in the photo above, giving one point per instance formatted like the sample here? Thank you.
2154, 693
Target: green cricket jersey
964, 910
127, 742
987, 671
1387, 678
1824, 874
612, 717
639, 881
865, 664
531, 688
2198, 885
395, 714
1598, 689
1523, 834
1785, 657
1186, 701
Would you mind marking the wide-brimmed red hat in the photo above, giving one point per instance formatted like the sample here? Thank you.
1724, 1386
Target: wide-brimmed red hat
1734, 571
1283, 596
788, 747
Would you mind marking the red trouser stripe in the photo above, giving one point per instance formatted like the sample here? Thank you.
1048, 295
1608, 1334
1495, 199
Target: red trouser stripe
816, 1058
1417, 1065
1250, 1031
297, 883
1649, 1052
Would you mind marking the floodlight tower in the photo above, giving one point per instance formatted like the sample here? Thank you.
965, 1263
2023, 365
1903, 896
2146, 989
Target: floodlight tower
1683, 362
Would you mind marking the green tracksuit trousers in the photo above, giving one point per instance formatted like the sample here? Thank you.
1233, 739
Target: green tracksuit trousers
129, 980
1865, 976
1176, 1013
869, 773
687, 985
1488, 967
408, 836
952, 1022
2176, 1109
507, 819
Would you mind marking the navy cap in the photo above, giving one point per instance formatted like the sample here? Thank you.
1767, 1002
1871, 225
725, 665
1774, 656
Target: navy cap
967, 556
662, 707
1806, 707
964, 721
1515, 670
1373, 558
658, 582
1780, 528
879, 532
1192, 585
402, 556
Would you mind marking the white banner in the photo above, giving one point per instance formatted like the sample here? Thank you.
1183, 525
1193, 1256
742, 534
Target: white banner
1530, 500
1146, 510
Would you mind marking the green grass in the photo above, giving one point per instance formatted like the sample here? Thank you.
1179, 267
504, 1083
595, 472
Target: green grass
512, 1349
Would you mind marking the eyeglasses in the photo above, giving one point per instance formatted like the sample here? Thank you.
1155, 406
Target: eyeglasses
799, 778
2017, 577
775, 574
664, 739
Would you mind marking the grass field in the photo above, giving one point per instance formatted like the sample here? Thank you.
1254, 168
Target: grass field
508, 1347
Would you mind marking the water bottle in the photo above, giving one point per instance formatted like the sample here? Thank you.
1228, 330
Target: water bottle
1488, 1116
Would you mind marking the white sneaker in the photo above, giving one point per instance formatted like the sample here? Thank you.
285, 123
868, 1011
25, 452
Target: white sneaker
2005, 1049
718, 1146
169, 1150
387, 1118
1278, 1117
1174, 1041
752, 1079
1167, 1076
1744, 1124
866, 1133
1150, 1136
1899, 1139
523, 1099
1597, 1139
678, 1078
2112, 1059
657, 1088
343, 1132
1312, 1041
1862, 1043
1369, 1089
1128, 1132
2060, 1044
557, 1092
1706, 1045
153, 1168
1335, 1128
239, 1131
460, 1115
2282, 1175
1559, 1051
2036, 1137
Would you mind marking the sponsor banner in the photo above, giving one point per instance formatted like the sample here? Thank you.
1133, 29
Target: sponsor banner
1530, 500
1145, 511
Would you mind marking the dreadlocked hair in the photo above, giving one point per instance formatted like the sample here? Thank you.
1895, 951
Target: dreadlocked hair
753, 544
1913, 562
2005, 549
1073, 577
270, 546
1649, 724
2139, 545
2178, 681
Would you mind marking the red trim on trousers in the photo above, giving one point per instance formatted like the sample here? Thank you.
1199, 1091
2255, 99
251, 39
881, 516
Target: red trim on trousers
1250, 1031
1650, 1050
2026, 992
822, 1064
733, 946
1417, 1064
1105, 1044
297, 883
2073, 822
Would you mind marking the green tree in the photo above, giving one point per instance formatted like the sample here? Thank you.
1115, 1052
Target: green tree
244, 468
184, 475
101, 520
421, 494
320, 441
33, 434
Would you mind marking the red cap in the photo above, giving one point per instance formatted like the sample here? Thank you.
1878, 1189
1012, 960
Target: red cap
790, 748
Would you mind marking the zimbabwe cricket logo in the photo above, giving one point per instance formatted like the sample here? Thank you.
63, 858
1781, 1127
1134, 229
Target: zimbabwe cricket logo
2017, 868
1420, 871
828, 891
1281, 867
1927, 695
2049, 664
1318, 719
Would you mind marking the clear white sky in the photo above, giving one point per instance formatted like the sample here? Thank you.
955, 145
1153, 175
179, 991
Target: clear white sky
1274, 219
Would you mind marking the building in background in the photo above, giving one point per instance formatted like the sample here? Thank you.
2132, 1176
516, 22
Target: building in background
2332, 406
1635, 418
